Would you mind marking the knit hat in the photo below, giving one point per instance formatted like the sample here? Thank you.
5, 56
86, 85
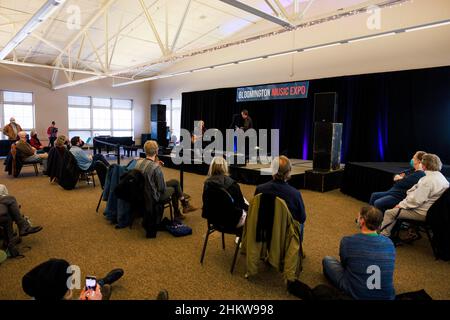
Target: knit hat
47, 281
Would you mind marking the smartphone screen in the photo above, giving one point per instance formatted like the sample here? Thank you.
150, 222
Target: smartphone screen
91, 283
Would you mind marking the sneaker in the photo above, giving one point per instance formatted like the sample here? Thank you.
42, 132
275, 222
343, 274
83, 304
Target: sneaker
29, 230
163, 295
112, 277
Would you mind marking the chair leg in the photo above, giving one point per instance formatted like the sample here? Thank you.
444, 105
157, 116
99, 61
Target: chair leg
204, 246
93, 179
427, 230
235, 254
36, 170
223, 241
99, 201
171, 212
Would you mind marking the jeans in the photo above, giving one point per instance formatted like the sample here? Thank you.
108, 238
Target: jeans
334, 272
384, 201
8, 204
173, 189
98, 157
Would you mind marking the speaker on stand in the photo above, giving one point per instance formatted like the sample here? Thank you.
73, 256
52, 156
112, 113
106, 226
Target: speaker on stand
327, 173
158, 125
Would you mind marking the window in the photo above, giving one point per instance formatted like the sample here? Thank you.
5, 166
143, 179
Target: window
92, 117
19, 105
173, 115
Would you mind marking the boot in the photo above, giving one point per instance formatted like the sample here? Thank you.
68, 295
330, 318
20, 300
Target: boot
187, 207
25, 228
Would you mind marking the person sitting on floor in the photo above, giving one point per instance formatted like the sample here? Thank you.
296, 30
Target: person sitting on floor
161, 189
49, 282
36, 143
366, 267
420, 197
28, 153
388, 199
279, 187
10, 207
85, 162
218, 178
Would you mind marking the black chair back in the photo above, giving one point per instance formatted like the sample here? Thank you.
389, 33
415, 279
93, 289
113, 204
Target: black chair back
218, 204
101, 170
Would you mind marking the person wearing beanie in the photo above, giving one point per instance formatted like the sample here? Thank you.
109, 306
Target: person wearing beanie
49, 281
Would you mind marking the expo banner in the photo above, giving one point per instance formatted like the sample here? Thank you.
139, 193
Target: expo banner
293, 90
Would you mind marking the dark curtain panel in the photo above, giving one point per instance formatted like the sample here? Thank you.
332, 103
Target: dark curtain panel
386, 116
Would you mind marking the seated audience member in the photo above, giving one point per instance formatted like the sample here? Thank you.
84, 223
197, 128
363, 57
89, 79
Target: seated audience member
366, 267
28, 152
389, 199
36, 143
420, 197
279, 187
162, 190
10, 207
61, 142
218, 178
49, 282
85, 162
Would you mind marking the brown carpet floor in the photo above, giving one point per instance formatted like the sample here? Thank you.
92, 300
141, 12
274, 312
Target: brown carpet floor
75, 232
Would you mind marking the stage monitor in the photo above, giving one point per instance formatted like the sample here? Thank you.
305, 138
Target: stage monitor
325, 107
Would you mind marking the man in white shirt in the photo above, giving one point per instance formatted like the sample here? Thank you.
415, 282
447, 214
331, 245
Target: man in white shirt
420, 197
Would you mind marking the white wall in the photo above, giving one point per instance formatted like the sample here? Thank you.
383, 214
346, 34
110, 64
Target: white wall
421, 49
52, 105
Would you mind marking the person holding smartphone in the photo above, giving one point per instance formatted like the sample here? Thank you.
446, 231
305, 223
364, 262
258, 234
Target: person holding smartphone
50, 280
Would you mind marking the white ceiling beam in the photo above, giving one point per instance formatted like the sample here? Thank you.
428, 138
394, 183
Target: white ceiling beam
106, 42
50, 44
180, 27
80, 33
308, 6
96, 51
153, 27
44, 66
272, 8
283, 10
115, 42
258, 13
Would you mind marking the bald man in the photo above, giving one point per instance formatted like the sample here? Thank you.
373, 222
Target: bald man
12, 130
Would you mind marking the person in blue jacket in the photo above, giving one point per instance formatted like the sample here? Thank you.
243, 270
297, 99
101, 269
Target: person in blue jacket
402, 183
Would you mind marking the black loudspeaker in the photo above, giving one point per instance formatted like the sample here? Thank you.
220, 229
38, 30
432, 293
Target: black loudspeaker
325, 107
145, 137
159, 132
327, 146
158, 113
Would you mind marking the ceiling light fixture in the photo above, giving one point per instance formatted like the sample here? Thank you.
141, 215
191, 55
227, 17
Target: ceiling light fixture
40, 16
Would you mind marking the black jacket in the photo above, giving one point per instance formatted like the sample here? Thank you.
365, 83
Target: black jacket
228, 217
438, 217
70, 172
55, 163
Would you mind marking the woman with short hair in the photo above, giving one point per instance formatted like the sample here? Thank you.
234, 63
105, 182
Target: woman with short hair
218, 178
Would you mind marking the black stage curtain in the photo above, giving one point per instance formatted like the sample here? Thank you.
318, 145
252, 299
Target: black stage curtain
386, 116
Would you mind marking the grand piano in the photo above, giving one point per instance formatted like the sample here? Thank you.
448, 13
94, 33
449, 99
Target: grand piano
122, 141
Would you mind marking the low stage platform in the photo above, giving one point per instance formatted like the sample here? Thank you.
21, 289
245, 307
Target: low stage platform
302, 175
361, 179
